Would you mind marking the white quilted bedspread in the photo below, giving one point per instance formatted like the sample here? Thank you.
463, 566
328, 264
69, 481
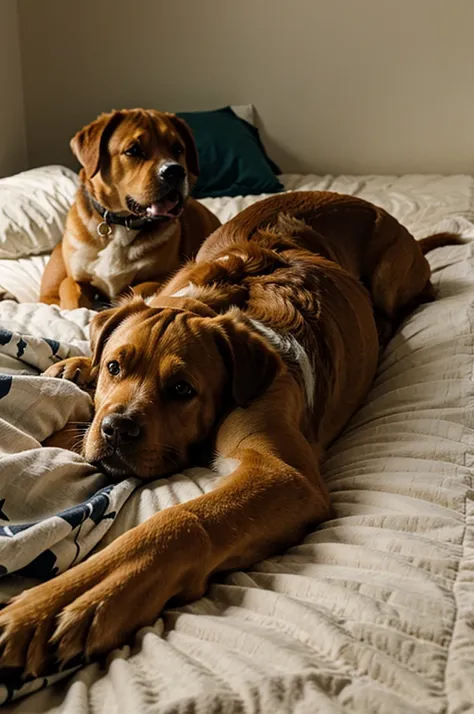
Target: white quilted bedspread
373, 612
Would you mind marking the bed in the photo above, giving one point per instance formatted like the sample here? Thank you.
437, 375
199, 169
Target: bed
372, 613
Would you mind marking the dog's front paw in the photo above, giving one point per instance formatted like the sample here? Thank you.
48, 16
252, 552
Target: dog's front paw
83, 613
25, 628
98, 605
75, 369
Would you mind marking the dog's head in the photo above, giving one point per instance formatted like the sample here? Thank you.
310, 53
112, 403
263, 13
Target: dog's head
138, 161
167, 374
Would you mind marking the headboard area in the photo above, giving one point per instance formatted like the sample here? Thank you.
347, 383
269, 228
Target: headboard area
353, 87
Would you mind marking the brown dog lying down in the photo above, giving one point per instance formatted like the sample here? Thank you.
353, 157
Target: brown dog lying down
255, 356
132, 221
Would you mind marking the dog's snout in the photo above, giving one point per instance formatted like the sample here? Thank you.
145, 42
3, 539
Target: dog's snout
117, 428
172, 173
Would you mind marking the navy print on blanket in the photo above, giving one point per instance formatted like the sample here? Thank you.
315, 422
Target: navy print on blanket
10, 531
5, 385
53, 344
5, 336
93, 509
41, 567
21, 346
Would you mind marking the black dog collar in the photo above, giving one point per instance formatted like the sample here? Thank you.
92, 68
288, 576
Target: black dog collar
131, 222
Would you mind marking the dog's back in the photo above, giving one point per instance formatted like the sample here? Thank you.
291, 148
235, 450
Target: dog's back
366, 240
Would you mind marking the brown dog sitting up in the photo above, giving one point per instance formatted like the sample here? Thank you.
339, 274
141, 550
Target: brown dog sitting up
133, 222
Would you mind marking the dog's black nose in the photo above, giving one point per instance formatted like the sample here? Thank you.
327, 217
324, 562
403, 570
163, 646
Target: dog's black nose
172, 173
117, 428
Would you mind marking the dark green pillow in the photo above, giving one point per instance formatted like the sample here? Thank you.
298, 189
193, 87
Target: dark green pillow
232, 160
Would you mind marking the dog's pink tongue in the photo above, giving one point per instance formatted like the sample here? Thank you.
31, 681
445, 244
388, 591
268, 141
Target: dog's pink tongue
162, 208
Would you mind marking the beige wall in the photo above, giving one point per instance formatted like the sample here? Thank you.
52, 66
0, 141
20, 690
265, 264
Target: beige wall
12, 120
340, 85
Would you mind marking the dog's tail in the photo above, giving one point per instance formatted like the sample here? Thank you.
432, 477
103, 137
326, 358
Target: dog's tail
438, 240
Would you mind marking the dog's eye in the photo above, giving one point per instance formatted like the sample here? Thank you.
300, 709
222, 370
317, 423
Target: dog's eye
113, 367
134, 150
177, 150
182, 390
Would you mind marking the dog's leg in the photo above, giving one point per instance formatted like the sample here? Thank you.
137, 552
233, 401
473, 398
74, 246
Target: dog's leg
73, 295
272, 495
269, 501
79, 370
53, 276
400, 279
385, 329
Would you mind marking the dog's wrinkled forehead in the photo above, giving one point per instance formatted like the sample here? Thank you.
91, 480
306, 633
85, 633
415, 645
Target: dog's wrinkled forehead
155, 331
174, 325
150, 323
153, 131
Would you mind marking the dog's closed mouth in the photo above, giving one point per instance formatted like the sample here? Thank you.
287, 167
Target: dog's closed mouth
167, 207
114, 468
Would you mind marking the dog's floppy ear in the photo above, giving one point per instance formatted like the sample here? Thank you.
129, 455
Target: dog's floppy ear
105, 322
252, 363
89, 145
186, 135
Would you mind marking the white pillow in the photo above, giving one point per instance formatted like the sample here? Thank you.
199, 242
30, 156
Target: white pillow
33, 208
245, 112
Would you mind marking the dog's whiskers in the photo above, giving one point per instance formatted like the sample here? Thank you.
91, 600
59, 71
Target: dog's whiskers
83, 424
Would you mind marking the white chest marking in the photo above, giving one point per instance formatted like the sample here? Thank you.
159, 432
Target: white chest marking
113, 267
291, 350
